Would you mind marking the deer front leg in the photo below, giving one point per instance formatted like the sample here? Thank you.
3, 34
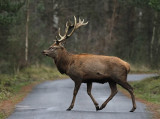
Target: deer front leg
76, 88
89, 88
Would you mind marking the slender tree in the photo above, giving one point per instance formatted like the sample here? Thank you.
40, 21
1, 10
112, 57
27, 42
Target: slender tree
26, 39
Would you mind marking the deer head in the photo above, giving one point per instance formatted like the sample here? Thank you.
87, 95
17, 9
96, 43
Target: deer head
57, 46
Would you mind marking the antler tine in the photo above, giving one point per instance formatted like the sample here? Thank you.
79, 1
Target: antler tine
80, 20
67, 24
75, 20
65, 35
66, 30
59, 33
56, 40
75, 23
81, 23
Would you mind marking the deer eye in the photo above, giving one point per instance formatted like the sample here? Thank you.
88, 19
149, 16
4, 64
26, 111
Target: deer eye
51, 48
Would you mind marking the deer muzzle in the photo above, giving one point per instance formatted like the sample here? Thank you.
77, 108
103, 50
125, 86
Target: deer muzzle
44, 52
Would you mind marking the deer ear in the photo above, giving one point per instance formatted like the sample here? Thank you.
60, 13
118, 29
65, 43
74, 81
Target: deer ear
61, 44
56, 42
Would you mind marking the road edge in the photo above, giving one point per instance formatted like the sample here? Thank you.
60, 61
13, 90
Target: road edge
7, 106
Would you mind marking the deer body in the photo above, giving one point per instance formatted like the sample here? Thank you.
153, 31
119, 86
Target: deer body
88, 68
91, 68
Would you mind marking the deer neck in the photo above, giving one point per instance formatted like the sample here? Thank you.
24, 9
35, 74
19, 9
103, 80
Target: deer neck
63, 60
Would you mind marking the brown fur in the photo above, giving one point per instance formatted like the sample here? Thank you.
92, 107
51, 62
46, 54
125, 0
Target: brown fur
88, 68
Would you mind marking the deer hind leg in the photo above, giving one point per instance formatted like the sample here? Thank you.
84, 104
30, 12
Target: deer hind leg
114, 91
89, 88
76, 88
129, 88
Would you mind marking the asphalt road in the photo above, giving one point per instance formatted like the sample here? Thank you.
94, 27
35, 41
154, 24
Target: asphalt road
50, 100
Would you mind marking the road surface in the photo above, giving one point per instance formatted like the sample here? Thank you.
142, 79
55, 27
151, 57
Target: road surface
50, 100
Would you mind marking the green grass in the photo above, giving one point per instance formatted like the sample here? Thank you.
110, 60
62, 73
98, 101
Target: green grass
10, 85
2, 115
148, 89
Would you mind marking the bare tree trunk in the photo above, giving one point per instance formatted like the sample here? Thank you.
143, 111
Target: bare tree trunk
153, 38
151, 45
113, 19
158, 47
26, 41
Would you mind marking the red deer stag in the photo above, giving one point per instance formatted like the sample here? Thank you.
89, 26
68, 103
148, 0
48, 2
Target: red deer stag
88, 68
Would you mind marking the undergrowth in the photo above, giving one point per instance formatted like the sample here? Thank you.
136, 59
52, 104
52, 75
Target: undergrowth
10, 85
138, 69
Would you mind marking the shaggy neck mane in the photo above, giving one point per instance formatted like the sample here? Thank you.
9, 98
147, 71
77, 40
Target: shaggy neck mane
62, 61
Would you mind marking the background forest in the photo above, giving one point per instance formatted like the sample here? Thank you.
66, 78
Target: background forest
127, 29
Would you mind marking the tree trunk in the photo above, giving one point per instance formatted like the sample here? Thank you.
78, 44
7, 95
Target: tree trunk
26, 41
113, 19
152, 39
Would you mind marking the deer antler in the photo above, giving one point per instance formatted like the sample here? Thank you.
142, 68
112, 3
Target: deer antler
70, 26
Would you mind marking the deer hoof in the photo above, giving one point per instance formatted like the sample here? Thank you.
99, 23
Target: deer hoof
97, 108
68, 109
133, 109
102, 106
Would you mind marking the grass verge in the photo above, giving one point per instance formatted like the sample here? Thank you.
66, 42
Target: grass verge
13, 88
147, 91
139, 69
